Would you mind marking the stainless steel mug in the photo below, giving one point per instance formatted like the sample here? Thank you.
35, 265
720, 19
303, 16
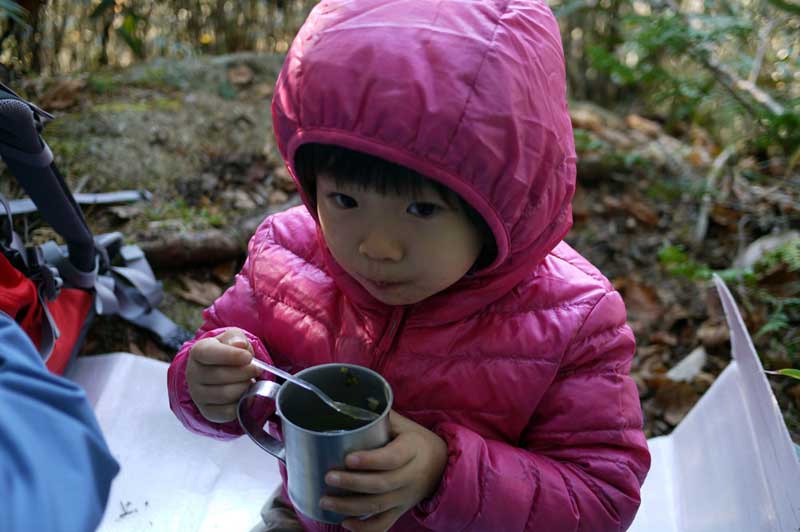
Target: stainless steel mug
316, 438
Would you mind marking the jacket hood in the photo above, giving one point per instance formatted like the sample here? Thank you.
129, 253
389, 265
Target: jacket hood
469, 93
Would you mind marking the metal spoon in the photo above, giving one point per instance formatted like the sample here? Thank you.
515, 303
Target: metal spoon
343, 408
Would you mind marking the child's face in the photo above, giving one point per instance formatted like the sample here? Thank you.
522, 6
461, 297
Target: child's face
400, 248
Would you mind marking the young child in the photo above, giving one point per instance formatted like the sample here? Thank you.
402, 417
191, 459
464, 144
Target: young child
434, 152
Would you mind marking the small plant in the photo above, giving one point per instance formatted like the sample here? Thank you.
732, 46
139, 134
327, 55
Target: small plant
788, 372
781, 298
676, 261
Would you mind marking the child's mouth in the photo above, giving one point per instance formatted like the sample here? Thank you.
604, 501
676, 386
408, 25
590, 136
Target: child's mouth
382, 285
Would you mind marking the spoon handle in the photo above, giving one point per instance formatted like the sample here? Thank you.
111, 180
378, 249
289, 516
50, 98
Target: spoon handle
285, 375
342, 408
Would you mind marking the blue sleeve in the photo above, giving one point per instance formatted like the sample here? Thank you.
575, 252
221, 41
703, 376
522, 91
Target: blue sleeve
55, 467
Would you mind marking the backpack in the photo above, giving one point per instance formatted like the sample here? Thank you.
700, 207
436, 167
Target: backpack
54, 291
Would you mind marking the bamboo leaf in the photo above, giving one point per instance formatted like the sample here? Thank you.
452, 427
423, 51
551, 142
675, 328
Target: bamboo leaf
102, 7
787, 372
786, 6
14, 11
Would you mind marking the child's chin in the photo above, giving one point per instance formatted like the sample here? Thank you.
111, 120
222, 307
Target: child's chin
394, 298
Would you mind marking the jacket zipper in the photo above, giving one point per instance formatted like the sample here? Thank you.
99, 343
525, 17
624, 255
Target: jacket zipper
387, 339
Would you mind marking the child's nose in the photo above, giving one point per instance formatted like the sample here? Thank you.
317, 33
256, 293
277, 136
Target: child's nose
381, 247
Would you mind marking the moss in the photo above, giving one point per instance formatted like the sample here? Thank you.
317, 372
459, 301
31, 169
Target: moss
161, 104
189, 217
102, 83
67, 149
588, 141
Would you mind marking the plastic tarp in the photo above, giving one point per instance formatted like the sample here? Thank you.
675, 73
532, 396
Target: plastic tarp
729, 466
170, 478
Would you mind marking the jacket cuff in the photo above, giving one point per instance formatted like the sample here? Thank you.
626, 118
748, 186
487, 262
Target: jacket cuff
181, 402
454, 504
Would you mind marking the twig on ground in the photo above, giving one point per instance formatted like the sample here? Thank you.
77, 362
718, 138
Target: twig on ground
758, 60
711, 183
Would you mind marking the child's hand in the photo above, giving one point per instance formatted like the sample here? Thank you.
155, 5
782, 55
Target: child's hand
393, 478
218, 373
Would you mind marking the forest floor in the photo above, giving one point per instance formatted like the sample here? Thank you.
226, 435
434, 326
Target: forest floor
650, 211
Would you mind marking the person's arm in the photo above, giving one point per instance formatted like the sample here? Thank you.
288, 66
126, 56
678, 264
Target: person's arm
582, 460
235, 308
55, 467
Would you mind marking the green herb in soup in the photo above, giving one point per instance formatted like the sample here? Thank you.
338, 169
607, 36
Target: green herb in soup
349, 378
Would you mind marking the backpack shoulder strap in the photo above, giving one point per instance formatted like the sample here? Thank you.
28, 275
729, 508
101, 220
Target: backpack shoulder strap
31, 162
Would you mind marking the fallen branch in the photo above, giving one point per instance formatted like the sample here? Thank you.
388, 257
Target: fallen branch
744, 91
711, 183
758, 60
211, 246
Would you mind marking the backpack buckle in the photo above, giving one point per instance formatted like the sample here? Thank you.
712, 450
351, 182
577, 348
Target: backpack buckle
46, 277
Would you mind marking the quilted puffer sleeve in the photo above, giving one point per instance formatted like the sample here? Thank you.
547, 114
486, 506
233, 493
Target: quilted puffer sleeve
235, 308
581, 461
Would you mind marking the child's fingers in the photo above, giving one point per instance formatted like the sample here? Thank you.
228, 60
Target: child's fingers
220, 395
373, 483
393, 455
375, 523
360, 505
235, 337
217, 375
219, 413
211, 352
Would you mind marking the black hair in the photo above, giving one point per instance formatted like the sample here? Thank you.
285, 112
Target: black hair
350, 167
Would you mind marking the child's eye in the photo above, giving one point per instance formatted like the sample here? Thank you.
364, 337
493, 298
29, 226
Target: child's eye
422, 209
343, 201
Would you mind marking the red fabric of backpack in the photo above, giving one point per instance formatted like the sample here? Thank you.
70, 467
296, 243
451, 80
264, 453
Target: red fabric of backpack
71, 313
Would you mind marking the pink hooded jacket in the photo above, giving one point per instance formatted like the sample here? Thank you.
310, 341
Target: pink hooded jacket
522, 367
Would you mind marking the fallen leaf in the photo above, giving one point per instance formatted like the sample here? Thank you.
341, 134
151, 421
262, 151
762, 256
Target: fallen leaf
643, 303
133, 348
699, 157
648, 127
611, 202
691, 365
63, 95
583, 118
641, 384
713, 333
126, 212
150, 349
725, 216
282, 180
651, 367
201, 292
224, 272
676, 398
580, 205
240, 75
663, 337
781, 282
257, 172
619, 140
794, 392
264, 90
278, 197
642, 212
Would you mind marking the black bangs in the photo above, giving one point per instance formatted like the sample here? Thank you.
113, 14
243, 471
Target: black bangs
354, 168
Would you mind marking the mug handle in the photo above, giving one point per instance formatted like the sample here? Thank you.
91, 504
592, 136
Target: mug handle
256, 432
